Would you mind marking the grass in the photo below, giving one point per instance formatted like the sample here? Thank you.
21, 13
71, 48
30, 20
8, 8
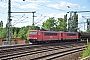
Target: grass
86, 52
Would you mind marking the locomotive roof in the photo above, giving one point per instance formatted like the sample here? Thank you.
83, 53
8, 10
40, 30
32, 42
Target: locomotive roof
68, 32
44, 31
54, 31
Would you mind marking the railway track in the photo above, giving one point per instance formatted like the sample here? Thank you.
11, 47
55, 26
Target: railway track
59, 53
41, 52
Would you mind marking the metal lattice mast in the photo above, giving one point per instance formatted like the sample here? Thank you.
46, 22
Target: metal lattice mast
28, 12
9, 25
9, 22
71, 20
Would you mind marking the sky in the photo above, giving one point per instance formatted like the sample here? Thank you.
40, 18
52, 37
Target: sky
44, 9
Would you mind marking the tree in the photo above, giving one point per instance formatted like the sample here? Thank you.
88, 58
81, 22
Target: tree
65, 18
88, 31
24, 31
49, 24
73, 23
14, 34
61, 25
3, 33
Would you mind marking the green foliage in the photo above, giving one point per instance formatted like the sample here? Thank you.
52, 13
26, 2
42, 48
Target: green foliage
61, 25
65, 18
57, 25
3, 32
86, 52
88, 31
49, 24
23, 32
15, 31
73, 23
18, 32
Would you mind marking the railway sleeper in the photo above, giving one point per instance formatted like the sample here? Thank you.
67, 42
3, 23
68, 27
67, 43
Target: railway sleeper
20, 54
42, 57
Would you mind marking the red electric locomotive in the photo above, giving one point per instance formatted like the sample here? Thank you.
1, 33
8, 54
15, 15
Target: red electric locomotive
38, 36
70, 36
43, 36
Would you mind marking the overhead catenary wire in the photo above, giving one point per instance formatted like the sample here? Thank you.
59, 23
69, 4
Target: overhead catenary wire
41, 5
85, 3
44, 16
40, 20
20, 21
49, 7
37, 20
19, 18
52, 8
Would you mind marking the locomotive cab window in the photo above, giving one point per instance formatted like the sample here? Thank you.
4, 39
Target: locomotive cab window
50, 34
33, 33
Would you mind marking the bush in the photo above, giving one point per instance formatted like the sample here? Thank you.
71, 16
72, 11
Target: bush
86, 52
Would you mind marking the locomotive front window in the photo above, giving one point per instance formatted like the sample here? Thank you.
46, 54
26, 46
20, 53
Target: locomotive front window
33, 33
